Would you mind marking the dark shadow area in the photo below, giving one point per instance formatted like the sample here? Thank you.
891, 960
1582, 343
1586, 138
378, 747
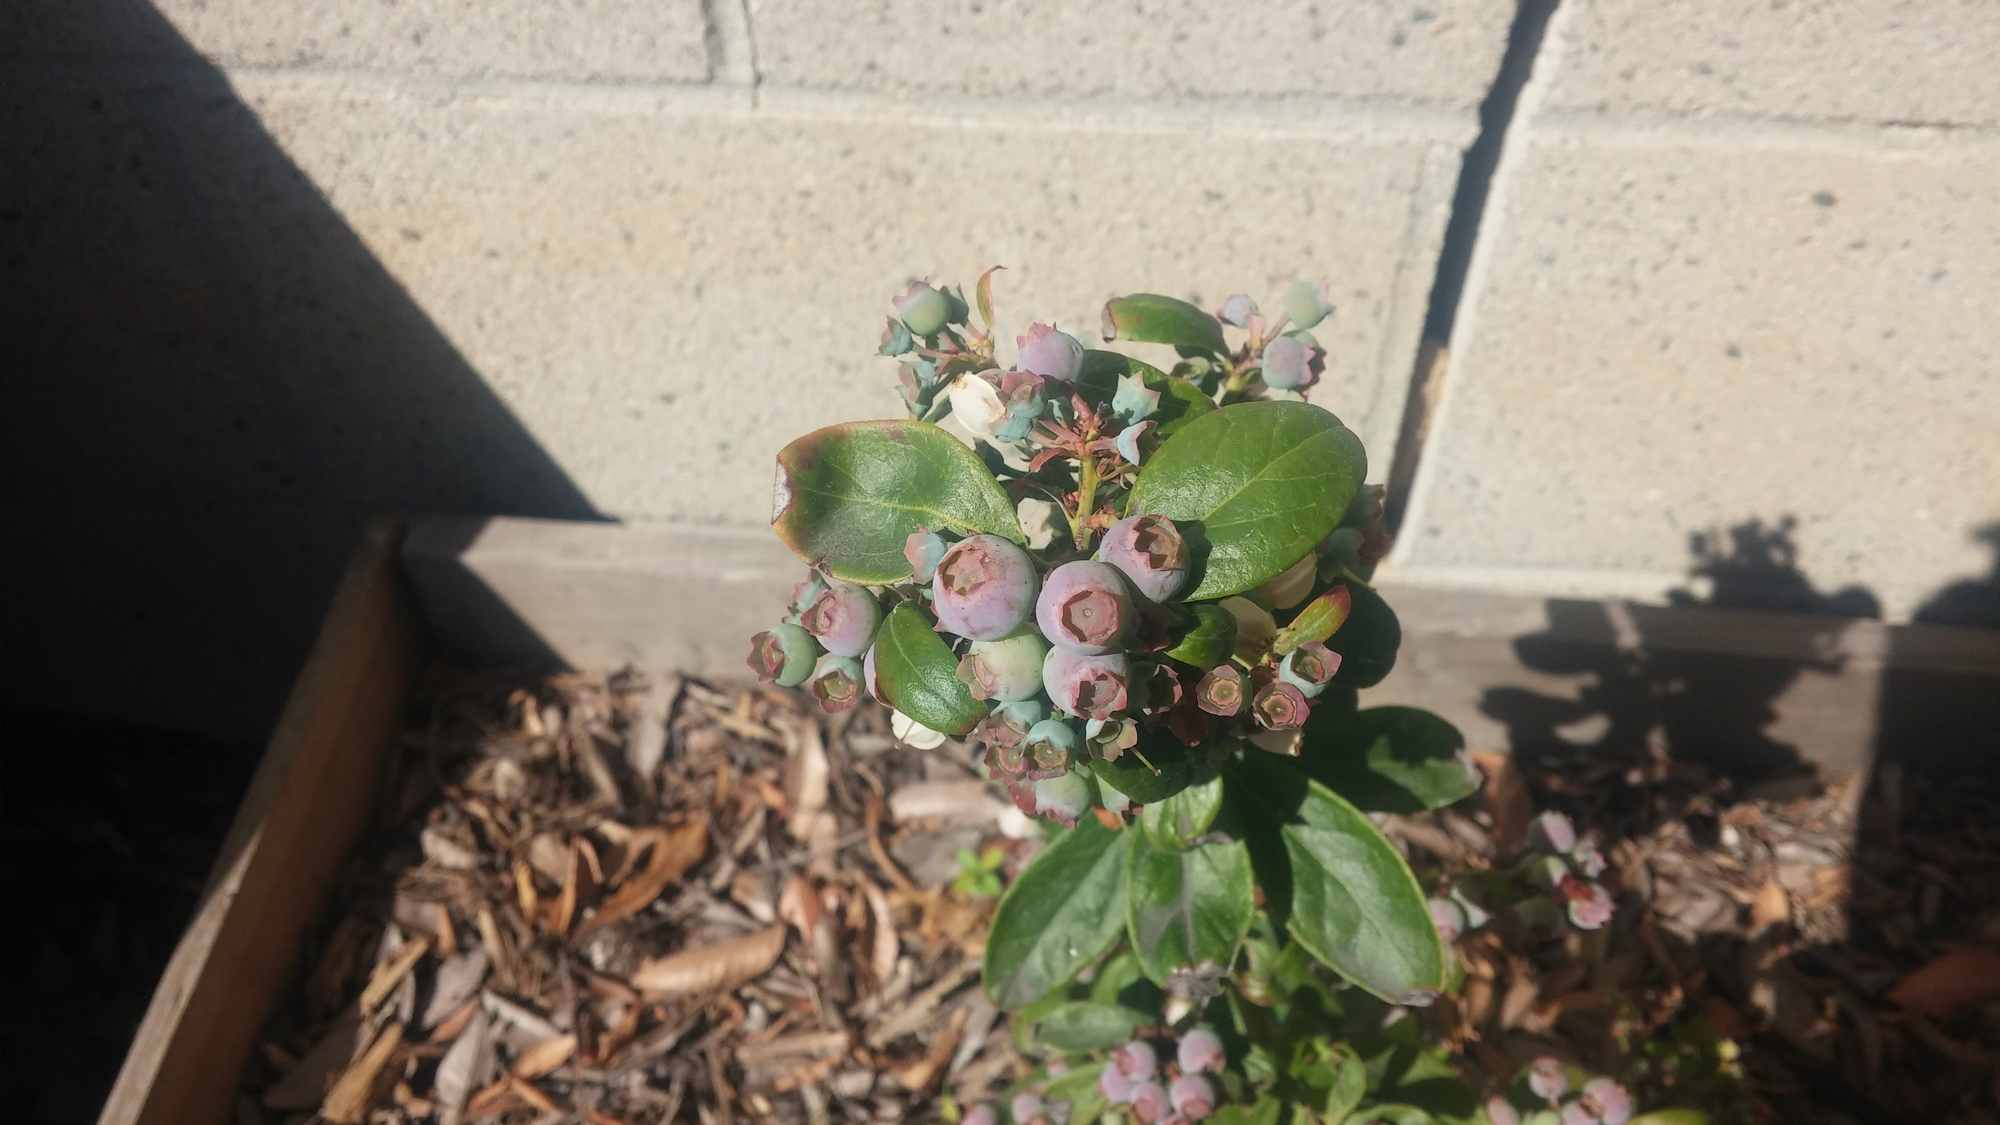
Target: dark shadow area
1801, 808
214, 385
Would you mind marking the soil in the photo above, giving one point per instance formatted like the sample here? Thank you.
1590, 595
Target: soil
620, 900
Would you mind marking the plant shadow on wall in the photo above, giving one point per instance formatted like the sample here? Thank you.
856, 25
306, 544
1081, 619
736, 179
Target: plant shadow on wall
1817, 898
214, 385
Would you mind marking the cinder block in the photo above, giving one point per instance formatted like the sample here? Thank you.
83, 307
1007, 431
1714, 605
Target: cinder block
1443, 52
1877, 61
660, 40
1670, 337
666, 299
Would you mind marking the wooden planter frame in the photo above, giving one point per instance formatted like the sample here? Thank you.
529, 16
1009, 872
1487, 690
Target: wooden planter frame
536, 593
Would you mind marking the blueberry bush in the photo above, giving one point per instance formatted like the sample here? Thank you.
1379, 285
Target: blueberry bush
1142, 595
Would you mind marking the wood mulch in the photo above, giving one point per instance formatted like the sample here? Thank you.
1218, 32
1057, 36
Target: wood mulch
623, 900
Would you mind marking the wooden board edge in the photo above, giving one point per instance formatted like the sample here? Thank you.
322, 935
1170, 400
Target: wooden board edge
308, 801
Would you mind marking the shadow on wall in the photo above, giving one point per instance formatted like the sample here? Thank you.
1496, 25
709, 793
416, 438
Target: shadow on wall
214, 384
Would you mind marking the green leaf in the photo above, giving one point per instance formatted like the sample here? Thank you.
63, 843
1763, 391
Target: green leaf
848, 496
1178, 821
1063, 911
1254, 486
1205, 638
917, 674
1081, 1025
1321, 618
1157, 768
1393, 1115
1390, 759
1180, 400
1266, 1110
1671, 1117
1354, 903
1154, 319
1188, 907
1368, 641
1333, 1068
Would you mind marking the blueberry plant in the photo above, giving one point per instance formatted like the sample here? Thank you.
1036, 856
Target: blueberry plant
1142, 595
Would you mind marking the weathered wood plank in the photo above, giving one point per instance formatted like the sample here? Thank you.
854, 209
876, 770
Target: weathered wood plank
308, 802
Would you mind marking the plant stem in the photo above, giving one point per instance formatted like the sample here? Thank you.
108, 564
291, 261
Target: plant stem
1086, 500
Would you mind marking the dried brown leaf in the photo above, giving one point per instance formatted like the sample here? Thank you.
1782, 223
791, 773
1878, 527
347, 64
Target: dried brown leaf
725, 964
673, 852
545, 1056
390, 973
1769, 908
882, 958
1508, 800
1952, 982
347, 1102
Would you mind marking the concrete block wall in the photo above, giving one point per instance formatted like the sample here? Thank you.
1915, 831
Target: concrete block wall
1738, 264
293, 265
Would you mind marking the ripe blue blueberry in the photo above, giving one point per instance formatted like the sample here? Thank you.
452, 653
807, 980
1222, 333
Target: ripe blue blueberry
1150, 551
984, 588
1085, 606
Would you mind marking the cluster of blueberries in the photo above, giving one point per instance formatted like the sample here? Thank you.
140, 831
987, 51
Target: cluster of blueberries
1173, 1093
1557, 877
1069, 662
1599, 1101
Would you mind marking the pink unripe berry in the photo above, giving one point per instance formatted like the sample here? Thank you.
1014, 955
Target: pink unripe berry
1200, 1050
1149, 1102
1136, 1060
1116, 1088
1548, 1078
1090, 686
1150, 551
1611, 1102
844, 618
836, 683
1085, 606
1193, 1096
1500, 1111
1220, 691
984, 588
1280, 706
1049, 352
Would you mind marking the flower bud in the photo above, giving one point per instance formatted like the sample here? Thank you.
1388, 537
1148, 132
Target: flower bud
1220, 691
1309, 668
1193, 1097
1005, 670
1237, 310
1092, 686
844, 618
1085, 606
1150, 551
923, 309
1051, 745
836, 683
976, 404
1200, 1050
783, 654
1280, 706
1548, 1078
896, 339
1049, 353
1149, 1102
1611, 1102
1023, 395
1292, 362
1293, 585
1064, 798
912, 733
984, 588
1305, 304
925, 549
1136, 1060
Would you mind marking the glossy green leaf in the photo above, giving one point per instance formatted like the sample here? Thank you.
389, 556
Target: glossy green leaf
1354, 903
1321, 618
917, 674
848, 496
1205, 637
1186, 908
1390, 759
1394, 1115
1180, 400
1367, 642
1060, 914
1154, 319
1266, 1110
1255, 486
1334, 1072
1082, 1025
1178, 821
1156, 769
